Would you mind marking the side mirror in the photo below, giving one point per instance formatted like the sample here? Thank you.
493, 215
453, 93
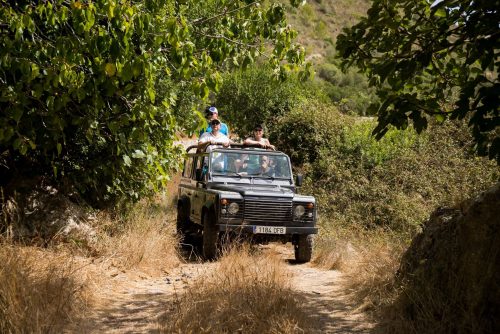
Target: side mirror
298, 180
199, 174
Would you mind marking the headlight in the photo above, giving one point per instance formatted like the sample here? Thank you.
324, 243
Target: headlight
233, 208
299, 211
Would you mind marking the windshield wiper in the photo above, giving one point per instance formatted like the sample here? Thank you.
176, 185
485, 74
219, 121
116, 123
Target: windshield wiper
228, 174
263, 176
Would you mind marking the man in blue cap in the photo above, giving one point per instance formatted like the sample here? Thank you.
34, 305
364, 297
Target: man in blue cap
212, 113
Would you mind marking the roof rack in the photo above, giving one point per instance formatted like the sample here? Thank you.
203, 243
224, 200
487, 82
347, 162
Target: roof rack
233, 145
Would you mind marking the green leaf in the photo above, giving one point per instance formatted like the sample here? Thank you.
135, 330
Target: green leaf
138, 154
127, 161
151, 94
110, 69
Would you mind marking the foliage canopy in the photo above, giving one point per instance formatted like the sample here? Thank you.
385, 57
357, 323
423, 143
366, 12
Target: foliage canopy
94, 92
431, 60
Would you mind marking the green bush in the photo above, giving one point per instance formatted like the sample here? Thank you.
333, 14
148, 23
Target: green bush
255, 96
393, 183
305, 131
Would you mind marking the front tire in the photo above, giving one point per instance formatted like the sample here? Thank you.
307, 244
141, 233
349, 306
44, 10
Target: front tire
303, 248
210, 235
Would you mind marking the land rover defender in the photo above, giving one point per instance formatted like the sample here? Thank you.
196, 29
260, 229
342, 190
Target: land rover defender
248, 191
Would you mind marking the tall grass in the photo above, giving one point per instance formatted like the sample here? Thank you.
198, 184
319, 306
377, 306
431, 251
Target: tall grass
40, 291
370, 279
244, 294
143, 239
368, 260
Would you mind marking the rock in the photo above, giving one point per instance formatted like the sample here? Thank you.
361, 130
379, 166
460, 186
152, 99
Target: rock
43, 213
452, 269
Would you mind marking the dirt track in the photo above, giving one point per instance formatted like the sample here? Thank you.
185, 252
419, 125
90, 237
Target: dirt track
132, 302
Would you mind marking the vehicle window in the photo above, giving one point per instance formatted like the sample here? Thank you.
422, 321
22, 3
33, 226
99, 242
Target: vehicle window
250, 164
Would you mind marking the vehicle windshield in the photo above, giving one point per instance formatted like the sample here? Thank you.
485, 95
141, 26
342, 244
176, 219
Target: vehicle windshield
250, 164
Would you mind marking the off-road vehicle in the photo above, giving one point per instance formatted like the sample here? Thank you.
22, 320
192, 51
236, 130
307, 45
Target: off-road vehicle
247, 191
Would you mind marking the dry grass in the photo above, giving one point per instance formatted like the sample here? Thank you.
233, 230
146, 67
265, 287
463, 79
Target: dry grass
368, 259
371, 278
244, 294
333, 254
40, 291
143, 240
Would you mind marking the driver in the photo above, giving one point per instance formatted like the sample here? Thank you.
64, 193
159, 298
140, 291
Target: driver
266, 167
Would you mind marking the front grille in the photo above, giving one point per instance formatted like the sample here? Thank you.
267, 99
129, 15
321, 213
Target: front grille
268, 210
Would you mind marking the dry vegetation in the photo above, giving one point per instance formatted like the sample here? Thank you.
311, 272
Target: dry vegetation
245, 293
368, 259
49, 289
143, 240
40, 291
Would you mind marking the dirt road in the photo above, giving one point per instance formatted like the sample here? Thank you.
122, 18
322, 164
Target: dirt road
133, 302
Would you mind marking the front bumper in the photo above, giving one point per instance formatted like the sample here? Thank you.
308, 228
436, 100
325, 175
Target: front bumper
250, 228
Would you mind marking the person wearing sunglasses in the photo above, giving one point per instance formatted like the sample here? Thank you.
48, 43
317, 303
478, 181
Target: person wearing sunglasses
214, 137
258, 139
212, 113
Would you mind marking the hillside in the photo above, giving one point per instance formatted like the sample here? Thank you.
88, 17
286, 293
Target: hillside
320, 21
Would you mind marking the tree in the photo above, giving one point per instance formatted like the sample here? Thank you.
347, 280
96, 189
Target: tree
94, 92
429, 60
255, 96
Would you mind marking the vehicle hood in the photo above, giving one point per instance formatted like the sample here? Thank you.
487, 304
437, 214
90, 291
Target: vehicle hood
256, 190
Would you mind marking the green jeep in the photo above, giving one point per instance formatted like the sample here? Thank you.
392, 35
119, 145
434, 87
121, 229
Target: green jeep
247, 191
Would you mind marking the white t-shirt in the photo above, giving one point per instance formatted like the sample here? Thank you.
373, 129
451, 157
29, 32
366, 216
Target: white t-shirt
220, 139
263, 141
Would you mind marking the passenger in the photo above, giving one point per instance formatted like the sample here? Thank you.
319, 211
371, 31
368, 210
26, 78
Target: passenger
266, 167
241, 164
258, 139
212, 113
215, 137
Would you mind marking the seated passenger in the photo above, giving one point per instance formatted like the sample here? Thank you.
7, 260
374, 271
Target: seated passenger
241, 164
258, 139
266, 167
215, 137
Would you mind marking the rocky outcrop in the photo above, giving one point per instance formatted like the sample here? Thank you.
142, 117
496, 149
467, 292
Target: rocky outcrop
450, 275
42, 213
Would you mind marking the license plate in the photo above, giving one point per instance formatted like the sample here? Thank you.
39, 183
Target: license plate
269, 229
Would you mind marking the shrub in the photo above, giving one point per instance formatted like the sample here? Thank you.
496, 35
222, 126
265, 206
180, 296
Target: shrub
349, 91
305, 131
393, 183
